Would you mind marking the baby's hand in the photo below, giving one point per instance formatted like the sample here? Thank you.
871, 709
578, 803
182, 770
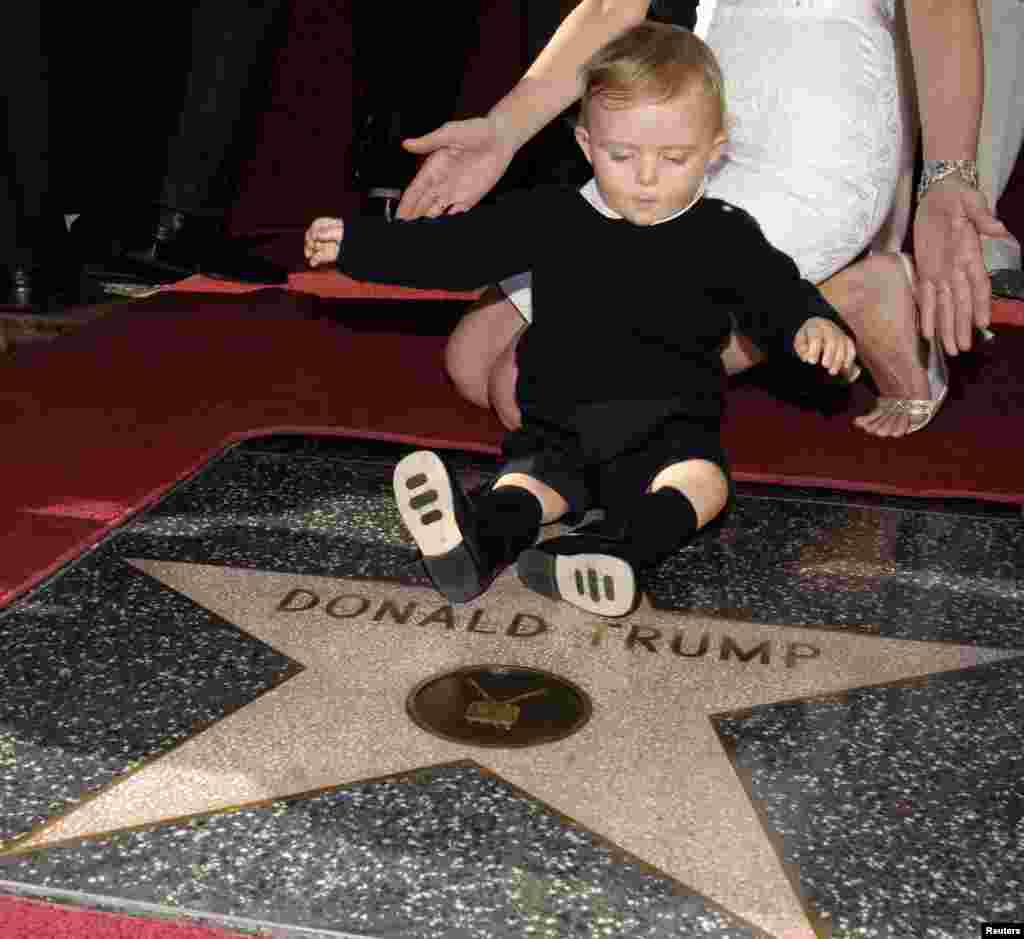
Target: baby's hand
323, 241
820, 340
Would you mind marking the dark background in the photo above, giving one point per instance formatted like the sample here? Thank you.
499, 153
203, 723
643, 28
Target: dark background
120, 72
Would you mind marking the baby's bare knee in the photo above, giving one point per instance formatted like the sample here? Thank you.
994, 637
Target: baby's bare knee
701, 481
553, 504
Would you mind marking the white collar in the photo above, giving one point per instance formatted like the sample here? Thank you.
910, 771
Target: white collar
592, 194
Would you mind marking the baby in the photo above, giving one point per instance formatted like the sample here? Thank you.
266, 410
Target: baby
621, 411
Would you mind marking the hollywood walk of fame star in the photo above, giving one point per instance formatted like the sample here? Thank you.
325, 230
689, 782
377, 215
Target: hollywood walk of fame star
647, 771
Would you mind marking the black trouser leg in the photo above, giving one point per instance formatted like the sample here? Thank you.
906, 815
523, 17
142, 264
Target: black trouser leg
231, 45
233, 42
24, 82
552, 155
409, 60
678, 12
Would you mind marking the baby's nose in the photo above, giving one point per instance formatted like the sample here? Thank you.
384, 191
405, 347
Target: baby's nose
647, 170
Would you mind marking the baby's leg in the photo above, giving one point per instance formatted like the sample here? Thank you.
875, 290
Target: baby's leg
553, 504
681, 499
595, 567
465, 545
703, 483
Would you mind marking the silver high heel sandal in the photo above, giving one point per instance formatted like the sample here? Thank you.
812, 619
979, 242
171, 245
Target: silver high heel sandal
920, 411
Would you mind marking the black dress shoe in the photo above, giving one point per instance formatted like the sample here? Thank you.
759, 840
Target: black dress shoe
591, 571
442, 522
21, 288
47, 290
1008, 283
381, 166
44, 274
174, 246
185, 244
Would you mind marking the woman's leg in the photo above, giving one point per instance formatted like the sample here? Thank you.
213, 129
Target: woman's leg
478, 342
822, 194
502, 385
876, 300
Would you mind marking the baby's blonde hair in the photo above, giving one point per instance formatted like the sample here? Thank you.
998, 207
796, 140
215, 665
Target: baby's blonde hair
654, 62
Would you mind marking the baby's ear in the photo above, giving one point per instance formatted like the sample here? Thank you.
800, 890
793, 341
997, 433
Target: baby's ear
583, 139
718, 147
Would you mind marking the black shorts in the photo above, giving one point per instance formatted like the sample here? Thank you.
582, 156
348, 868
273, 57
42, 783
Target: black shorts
555, 459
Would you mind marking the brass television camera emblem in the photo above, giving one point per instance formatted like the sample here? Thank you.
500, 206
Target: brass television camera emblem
504, 714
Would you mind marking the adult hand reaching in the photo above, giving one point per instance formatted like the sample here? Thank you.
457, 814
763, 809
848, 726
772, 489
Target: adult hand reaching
466, 159
954, 292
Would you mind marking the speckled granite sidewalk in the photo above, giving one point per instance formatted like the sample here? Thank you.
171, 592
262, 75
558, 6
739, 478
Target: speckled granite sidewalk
813, 725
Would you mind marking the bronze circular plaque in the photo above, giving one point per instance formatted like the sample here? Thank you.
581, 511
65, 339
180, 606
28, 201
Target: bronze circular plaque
499, 706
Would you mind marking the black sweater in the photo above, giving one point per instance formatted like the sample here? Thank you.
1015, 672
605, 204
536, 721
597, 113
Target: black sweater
621, 312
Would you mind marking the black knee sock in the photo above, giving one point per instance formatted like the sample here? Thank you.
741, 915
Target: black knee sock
659, 523
507, 522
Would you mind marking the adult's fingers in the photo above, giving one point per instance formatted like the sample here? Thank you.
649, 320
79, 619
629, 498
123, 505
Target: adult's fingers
963, 305
436, 207
926, 302
411, 205
946, 316
985, 221
981, 291
433, 178
418, 197
851, 355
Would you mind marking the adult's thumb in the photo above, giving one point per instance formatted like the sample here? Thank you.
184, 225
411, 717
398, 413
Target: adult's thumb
428, 143
984, 220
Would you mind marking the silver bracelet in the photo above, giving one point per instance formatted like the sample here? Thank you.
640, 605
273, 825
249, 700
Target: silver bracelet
934, 170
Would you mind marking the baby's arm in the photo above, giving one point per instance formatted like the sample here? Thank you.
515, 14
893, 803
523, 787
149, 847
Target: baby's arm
453, 252
821, 341
781, 311
323, 241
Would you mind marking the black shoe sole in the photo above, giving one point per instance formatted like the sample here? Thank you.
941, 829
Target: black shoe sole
596, 583
430, 506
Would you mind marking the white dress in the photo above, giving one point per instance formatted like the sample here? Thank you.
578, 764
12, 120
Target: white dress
818, 124
819, 134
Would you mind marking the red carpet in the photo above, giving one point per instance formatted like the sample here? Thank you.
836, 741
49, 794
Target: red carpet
31, 919
100, 423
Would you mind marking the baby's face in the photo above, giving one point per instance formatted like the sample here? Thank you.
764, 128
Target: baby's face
650, 159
